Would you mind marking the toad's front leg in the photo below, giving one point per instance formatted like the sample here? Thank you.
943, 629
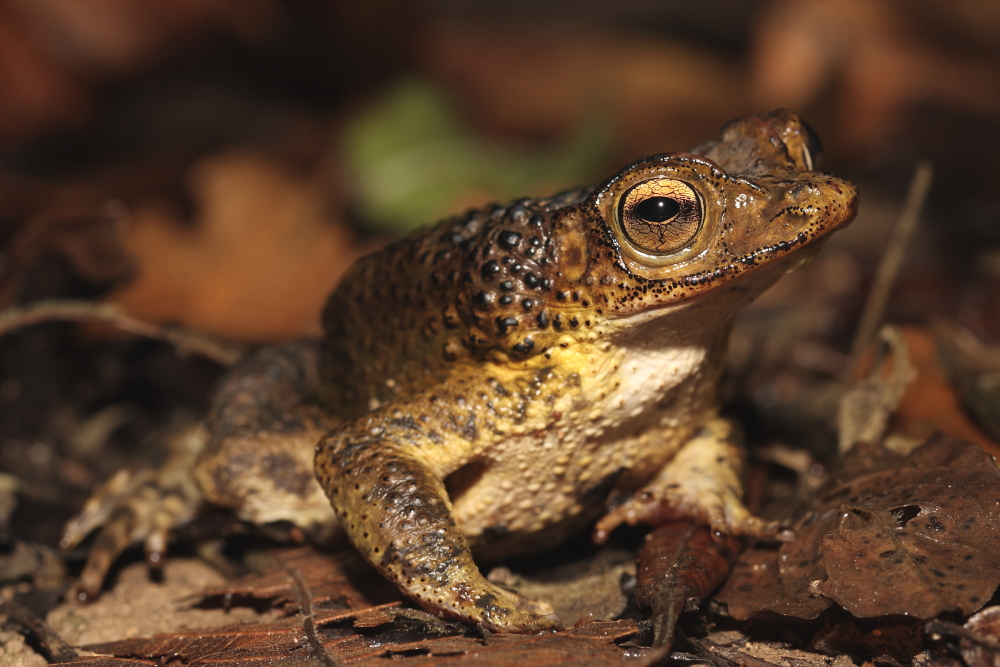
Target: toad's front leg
702, 482
393, 505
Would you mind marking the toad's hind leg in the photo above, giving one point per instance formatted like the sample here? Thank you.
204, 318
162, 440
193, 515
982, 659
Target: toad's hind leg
264, 426
395, 510
140, 503
253, 454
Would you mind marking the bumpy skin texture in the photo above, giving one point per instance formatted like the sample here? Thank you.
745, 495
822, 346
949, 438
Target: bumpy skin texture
508, 371
497, 382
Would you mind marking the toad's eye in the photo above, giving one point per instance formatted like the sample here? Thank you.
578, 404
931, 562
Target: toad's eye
656, 209
661, 215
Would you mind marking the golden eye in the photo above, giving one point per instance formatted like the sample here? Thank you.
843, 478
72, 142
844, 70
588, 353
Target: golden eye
661, 215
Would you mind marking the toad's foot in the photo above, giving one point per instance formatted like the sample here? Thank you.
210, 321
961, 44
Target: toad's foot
702, 482
138, 504
395, 510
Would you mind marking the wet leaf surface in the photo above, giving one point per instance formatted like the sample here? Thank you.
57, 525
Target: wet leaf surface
678, 567
889, 535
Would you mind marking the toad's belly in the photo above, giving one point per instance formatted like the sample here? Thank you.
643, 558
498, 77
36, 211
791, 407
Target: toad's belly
531, 492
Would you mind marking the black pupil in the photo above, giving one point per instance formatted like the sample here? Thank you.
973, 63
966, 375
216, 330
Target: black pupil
657, 209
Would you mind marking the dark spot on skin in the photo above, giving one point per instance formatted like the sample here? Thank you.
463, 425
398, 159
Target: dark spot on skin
483, 299
524, 346
542, 319
527, 304
468, 429
507, 285
506, 299
490, 269
504, 324
509, 240
531, 280
518, 210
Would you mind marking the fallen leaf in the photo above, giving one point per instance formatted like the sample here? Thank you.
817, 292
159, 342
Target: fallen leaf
915, 535
931, 403
258, 263
679, 566
331, 579
776, 578
866, 407
579, 588
286, 642
974, 369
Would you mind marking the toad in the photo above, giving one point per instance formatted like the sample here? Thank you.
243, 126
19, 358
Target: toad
495, 383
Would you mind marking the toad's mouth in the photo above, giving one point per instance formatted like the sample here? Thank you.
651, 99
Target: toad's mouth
787, 231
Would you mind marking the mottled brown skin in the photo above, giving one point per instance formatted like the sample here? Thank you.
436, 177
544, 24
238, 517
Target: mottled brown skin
490, 356
495, 383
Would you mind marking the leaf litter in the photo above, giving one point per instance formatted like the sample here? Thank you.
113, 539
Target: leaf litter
912, 535
164, 230
330, 621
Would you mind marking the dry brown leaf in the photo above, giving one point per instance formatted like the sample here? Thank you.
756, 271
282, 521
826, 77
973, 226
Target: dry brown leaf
308, 583
331, 579
865, 408
776, 578
889, 535
931, 404
974, 369
258, 264
285, 642
679, 566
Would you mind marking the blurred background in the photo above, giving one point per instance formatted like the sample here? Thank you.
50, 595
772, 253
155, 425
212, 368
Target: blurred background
218, 164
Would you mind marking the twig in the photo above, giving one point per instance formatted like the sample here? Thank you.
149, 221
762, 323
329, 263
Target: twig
889, 267
320, 653
17, 317
50, 643
947, 629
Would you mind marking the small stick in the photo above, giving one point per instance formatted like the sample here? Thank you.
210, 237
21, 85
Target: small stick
889, 267
17, 317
